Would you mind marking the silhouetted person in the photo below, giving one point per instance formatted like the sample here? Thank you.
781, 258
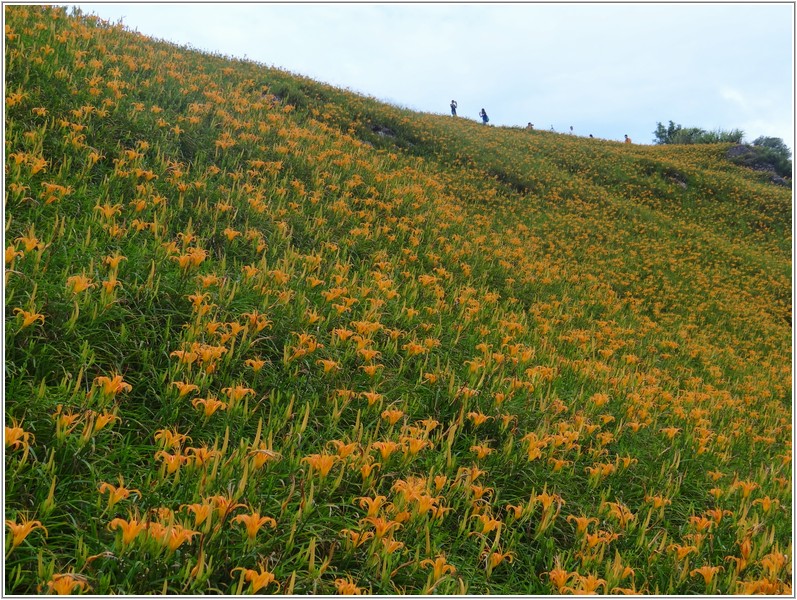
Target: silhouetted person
530, 126
627, 139
453, 108
485, 118
571, 130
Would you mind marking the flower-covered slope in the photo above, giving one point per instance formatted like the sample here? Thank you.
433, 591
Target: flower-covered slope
254, 345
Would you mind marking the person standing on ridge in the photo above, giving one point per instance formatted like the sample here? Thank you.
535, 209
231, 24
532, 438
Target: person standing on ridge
485, 118
627, 139
453, 108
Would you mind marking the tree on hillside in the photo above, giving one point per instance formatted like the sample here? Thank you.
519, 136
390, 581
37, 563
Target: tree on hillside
765, 153
771, 153
777, 145
665, 135
675, 134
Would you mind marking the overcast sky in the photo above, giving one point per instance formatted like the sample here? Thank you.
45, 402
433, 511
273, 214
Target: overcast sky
605, 69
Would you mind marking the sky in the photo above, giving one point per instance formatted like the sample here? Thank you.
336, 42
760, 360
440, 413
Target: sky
604, 69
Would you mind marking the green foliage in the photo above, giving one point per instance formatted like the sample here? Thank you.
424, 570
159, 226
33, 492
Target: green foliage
766, 154
777, 145
675, 134
665, 135
773, 151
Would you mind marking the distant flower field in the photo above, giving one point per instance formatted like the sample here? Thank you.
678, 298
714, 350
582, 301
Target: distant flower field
251, 347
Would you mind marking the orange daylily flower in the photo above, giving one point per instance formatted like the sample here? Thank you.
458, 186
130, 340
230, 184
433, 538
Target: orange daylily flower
29, 317
224, 505
373, 504
111, 387
488, 524
381, 526
255, 364
130, 528
12, 254
369, 354
262, 455
706, 572
355, 537
370, 370
392, 415
716, 514
65, 423
64, 584
746, 486
588, 584
478, 418
321, 462
481, 450
16, 436
766, 503
368, 468
440, 566
253, 522
171, 536
347, 587
560, 578
390, 546
236, 393
201, 455
344, 449
497, 557
202, 511
170, 438
681, 551
372, 397
20, 531
236, 328
172, 462
328, 364
773, 562
581, 522
414, 445
109, 211
210, 405
184, 388
702, 523
231, 234
657, 501
620, 512
762, 587
386, 448
259, 579
113, 261
117, 493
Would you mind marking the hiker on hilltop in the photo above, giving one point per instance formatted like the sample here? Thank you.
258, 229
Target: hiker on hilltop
485, 118
627, 139
453, 108
530, 126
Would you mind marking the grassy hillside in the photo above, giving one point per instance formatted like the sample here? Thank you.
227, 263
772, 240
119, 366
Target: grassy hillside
264, 335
